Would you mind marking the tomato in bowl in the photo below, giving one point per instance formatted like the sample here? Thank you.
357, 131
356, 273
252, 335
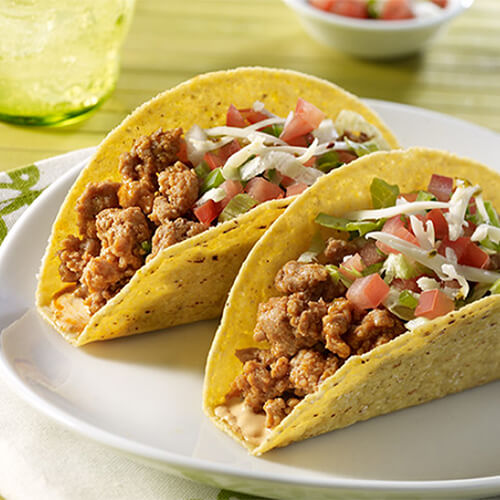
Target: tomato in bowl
376, 29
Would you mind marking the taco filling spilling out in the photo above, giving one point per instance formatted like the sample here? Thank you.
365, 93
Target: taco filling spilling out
367, 278
177, 185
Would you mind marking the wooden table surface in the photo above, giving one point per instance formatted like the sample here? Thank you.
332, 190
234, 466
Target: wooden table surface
172, 40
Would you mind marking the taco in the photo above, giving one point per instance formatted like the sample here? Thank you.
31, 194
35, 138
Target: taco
376, 290
155, 228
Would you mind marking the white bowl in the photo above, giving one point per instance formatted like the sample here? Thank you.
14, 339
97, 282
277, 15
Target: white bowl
373, 38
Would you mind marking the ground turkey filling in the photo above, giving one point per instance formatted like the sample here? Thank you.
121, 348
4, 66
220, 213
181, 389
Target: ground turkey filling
121, 225
312, 329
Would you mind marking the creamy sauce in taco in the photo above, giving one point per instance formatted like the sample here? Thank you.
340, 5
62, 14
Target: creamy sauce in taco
175, 186
70, 312
413, 258
243, 419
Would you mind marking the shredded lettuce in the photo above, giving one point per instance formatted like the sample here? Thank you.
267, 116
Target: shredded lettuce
316, 247
408, 299
361, 148
425, 196
202, 170
337, 276
495, 288
212, 180
399, 266
341, 224
238, 205
328, 161
383, 194
492, 213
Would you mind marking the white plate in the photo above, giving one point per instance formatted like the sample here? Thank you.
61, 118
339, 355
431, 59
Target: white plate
141, 395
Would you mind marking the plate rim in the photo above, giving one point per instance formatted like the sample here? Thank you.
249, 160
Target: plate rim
178, 461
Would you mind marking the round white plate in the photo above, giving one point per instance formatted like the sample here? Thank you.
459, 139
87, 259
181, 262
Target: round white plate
142, 395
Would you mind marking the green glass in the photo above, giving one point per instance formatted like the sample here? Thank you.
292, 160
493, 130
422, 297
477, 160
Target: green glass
59, 60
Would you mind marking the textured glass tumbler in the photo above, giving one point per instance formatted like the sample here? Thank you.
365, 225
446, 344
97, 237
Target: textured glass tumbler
59, 59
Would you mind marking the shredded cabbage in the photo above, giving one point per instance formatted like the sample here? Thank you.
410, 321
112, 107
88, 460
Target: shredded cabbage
216, 194
433, 260
406, 209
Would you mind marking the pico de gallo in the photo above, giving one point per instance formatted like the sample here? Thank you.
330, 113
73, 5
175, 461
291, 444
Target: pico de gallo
387, 10
258, 156
436, 249
175, 185
410, 259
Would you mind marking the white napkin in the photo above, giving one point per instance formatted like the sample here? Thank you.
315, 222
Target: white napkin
40, 459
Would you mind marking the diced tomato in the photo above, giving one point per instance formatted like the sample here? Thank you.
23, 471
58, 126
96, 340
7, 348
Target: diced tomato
396, 227
296, 189
368, 292
232, 188
346, 156
302, 141
311, 162
213, 160
475, 256
305, 119
409, 284
322, 4
253, 116
441, 229
182, 154
441, 187
234, 118
287, 181
350, 8
411, 197
218, 158
472, 208
434, 303
396, 9
440, 3
309, 112
229, 149
469, 228
207, 212
370, 254
354, 263
262, 190
458, 246
467, 252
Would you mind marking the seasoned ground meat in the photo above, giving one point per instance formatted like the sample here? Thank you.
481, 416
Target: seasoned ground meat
308, 339
137, 194
95, 198
289, 323
150, 155
305, 317
75, 255
376, 328
277, 409
336, 250
121, 232
173, 232
336, 324
179, 188
312, 279
257, 384
101, 273
308, 368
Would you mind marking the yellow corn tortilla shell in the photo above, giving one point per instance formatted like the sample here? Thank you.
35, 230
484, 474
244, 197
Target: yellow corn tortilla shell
188, 281
447, 355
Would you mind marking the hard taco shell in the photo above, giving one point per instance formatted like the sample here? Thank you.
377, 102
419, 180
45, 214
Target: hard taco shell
188, 281
449, 354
